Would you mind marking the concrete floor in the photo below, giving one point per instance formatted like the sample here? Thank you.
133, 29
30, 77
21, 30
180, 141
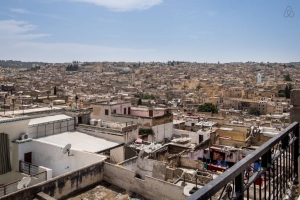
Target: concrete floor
187, 187
106, 191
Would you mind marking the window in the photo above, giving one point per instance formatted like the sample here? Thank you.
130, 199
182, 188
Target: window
114, 111
200, 138
106, 112
124, 111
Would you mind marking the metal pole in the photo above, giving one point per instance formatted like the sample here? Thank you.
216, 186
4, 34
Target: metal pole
157, 133
23, 106
4, 105
13, 100
239, 185
76, 98
164, 128
296, 151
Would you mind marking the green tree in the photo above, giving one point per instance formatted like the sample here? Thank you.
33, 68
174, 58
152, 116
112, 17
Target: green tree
287, 91
208, 107
198, 87
287, 77
54, 90
140, 101
169, 95
146, 131
254, 111
281, 94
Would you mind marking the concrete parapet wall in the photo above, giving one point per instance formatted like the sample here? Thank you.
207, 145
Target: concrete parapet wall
295, 97
233, 134
150, 188
64, 185
190, 163
231, 142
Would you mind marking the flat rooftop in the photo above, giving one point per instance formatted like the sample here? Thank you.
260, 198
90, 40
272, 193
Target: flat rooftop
80, 141
26, 111
53, 118
209, 123
187, 187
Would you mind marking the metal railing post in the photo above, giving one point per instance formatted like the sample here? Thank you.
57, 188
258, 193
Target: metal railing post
296, 151
239, 186
279, 164
20, 163
266, 163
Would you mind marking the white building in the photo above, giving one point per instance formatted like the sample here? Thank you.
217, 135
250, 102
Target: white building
275, 74
34, 146
259, 78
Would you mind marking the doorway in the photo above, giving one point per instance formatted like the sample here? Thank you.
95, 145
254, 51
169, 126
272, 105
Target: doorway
79, 120
28, 157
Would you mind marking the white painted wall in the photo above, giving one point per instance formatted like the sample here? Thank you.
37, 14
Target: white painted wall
193, 135
98, 133
49, 171
163, 131
131, 136
51, 156
14, 131
117, 155
42, 130
126, 137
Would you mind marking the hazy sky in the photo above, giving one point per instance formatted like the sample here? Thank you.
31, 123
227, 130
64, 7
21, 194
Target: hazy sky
150, 30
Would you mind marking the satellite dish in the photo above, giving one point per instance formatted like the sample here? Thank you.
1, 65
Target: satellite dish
66, 149
23, 183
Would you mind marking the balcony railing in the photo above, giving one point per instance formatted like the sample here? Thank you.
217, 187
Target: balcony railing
267, 173
28, 168
12, 187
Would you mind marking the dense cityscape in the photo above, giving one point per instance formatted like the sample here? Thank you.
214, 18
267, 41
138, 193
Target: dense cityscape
149, 100
178, 122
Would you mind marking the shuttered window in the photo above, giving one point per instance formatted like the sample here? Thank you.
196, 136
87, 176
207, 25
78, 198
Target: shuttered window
4, 154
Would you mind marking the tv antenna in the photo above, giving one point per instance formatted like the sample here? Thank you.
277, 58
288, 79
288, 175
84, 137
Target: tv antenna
23, 183
66, 149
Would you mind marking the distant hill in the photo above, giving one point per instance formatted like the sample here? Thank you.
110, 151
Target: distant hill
18, 64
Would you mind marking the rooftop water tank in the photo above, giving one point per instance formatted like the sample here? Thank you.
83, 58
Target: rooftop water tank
100, 122
93, 122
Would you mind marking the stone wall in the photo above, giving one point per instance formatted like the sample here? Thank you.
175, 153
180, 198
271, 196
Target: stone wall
190, 163
64, 185
263, 138
231, 142
150, 188
295, 101
235, 135
172, 174
162, 119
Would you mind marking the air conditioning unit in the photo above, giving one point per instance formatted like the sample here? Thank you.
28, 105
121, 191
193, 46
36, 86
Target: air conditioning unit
24, 136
